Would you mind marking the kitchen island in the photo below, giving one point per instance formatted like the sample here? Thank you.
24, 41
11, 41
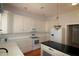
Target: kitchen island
67, 50
12, 47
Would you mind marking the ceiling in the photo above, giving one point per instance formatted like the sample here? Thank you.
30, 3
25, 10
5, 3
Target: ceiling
42, 9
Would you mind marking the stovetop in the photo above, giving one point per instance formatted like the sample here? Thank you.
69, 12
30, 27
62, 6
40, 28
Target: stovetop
73, 51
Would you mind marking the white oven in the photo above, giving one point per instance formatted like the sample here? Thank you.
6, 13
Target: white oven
35, 43
35, 39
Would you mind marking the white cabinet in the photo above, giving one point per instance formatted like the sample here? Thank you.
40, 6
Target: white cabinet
51, 51
18, 24
14, 23
0, 22
28, 24
5, 23
11, 23
25, 44
22, 24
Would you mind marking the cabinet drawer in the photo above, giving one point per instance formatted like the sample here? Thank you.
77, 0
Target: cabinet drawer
47, 49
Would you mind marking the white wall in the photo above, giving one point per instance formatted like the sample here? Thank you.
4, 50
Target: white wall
64, 20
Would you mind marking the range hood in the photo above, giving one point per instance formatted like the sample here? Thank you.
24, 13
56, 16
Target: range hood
1, 8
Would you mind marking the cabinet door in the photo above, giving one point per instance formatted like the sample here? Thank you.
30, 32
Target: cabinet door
17, 24
4, 24
0, 23
10, 23
25, 44
28, 24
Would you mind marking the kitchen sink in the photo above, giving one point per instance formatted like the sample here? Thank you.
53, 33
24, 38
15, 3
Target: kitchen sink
3, 53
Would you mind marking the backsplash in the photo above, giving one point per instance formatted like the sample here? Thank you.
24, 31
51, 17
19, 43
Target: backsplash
20, 35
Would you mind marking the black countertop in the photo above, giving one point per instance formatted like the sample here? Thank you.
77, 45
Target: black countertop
73, 51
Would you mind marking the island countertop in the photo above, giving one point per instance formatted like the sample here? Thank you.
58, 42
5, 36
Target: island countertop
73, 51
12, 47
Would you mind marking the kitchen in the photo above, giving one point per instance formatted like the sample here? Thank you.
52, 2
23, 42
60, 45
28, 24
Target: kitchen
29, 28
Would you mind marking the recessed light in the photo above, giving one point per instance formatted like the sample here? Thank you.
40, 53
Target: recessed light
41, 7
25, 8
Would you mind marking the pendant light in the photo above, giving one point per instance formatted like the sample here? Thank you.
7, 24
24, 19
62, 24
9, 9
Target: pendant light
58, 26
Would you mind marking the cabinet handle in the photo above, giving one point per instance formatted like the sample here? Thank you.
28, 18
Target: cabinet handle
50, 49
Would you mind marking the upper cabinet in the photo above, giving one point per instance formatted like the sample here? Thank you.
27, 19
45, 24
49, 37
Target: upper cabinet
0, 23
5, 22
22, 24
14, 23
18, 24
28, 24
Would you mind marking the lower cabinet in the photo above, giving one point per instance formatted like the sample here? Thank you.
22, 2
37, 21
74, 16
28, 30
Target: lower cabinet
48, 51
24, 44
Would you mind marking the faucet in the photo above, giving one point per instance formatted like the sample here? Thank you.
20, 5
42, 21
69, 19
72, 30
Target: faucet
4, 49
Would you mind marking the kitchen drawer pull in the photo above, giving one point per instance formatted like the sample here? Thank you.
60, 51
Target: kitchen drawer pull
50, 49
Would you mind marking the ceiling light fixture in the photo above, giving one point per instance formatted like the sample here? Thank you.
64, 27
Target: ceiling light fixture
41, 7
74, 3
25, 8
58, 26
